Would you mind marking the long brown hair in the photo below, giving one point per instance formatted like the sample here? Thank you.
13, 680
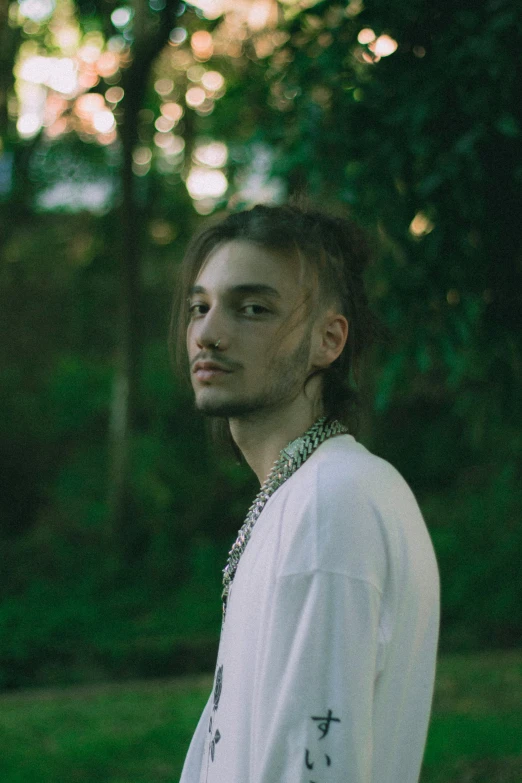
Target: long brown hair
335, 248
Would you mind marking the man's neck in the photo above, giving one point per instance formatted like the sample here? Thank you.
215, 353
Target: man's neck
261, 436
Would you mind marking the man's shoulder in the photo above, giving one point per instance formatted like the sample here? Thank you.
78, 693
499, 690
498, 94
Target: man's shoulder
332, 515
343, 467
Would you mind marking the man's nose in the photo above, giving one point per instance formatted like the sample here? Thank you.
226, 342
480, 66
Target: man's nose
213, 330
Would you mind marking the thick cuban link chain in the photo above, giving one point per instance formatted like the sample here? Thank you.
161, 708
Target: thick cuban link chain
289, 460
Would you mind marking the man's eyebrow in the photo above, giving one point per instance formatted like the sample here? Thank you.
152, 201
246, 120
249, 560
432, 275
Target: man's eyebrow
245, 288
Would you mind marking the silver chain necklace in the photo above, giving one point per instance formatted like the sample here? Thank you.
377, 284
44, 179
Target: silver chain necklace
290, 459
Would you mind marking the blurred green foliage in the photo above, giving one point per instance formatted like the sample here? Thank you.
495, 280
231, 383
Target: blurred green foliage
423, 147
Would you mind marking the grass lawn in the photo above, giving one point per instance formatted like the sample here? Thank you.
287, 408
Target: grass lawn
138, 732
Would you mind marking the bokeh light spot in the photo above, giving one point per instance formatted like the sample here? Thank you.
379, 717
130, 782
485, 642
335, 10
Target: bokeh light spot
114, 94
103, 121
36, 10
141, 170
177, 36
164, 124
121, 17
142, 156
205, 206
383, 46
162, 232
214, 154
89, 103
59, 74
195, 73
212, 81
366, 36
28, 125
211, 9
260, 14
169, 143
107, 64
421, 225
173, 111
202, 45
453, 297
195, 96
89, 53
205, 183
163, 86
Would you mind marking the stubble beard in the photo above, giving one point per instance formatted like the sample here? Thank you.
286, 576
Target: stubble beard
285, 382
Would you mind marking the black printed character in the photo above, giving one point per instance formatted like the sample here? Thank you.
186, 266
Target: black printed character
310, 764
217, 737
324, 726
218, 687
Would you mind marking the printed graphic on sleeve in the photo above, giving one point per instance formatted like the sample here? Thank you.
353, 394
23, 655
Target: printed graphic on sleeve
216, 736
320, 759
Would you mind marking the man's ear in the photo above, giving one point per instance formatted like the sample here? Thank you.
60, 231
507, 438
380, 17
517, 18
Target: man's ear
331, 338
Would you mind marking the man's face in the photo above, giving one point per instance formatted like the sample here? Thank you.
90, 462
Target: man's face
252, 301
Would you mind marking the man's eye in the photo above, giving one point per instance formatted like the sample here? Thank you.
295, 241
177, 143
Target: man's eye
195, 309
254, 309
251, 310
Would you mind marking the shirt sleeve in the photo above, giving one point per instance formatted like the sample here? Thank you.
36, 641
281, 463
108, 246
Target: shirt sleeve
193, 765
315, 681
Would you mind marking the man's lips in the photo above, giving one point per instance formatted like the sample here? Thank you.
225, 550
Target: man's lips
204, 365
205, 371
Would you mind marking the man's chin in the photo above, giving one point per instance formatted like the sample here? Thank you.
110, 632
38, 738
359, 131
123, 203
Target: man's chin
224, 411
227, 409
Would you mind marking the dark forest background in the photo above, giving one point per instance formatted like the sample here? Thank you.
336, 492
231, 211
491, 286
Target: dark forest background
121, 129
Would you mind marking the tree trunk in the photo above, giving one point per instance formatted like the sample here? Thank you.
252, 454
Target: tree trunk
149, 40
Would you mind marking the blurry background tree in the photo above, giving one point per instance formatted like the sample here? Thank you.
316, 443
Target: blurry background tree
121, 126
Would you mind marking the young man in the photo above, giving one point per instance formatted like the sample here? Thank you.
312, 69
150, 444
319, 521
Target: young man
327, 656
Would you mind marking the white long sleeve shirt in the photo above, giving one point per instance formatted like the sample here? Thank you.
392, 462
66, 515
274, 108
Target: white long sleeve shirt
327, 657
